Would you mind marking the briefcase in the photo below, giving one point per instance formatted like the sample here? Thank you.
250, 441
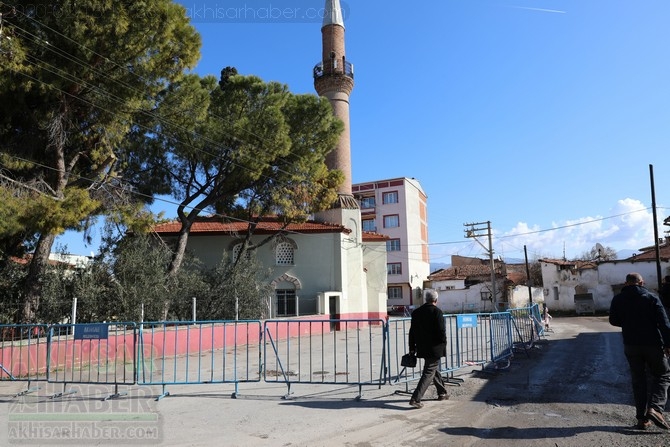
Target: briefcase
408, 361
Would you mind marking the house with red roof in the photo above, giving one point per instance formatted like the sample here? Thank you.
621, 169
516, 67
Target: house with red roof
313, 264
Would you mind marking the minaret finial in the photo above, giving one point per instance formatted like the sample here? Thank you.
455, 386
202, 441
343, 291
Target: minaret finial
333, 14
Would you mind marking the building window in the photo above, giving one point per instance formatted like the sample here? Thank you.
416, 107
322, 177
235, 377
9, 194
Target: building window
391, 221
394, 293
390, 197
284, 254
393, 245
369, 225
238, 248
394, 268
367, 202
286, 302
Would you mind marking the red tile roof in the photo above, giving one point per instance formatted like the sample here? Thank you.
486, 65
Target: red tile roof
581, 265
374, 237
462, 272
649, 253
220, 226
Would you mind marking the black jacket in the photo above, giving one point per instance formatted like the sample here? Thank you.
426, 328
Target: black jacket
427, 334
665, 294
641, 316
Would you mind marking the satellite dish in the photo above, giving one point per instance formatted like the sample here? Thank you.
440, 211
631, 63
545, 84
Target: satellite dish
600, 249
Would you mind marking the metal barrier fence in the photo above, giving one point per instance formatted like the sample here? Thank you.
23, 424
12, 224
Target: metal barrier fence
96, 353
502, 345
349, 352
472, 340
23, 353
198, 353
527, 326
311, 352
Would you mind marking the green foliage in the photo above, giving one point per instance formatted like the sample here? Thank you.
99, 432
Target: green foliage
12, 276
242, 285
77, 80
245, 148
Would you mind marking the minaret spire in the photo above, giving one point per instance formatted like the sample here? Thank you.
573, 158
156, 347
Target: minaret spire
334, 79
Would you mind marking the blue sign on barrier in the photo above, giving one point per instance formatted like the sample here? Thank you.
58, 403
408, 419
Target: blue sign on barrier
466, 321
91, 331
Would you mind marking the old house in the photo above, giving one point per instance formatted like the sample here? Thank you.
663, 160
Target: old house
568, 281
466, 287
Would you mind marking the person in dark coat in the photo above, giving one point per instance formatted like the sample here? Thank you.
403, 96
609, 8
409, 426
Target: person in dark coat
646, 340
428, 340
665, 293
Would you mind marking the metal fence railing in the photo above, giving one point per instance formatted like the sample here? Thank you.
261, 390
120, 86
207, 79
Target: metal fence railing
356, 352
95, 353
23, 353
312, 352
198, 353
527, 325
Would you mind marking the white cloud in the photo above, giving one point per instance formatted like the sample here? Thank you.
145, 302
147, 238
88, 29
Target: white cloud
627, 226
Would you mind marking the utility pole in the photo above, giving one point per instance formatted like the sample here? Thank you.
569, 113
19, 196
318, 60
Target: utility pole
530, 286
481, 229
657, 248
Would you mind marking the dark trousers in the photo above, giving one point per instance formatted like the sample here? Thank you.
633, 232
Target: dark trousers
643, 361
430, 374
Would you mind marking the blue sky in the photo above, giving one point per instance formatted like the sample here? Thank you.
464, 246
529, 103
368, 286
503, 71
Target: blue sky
541, 116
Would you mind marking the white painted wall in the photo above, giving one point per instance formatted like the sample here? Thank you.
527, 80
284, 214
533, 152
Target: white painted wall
337, 262
602, 282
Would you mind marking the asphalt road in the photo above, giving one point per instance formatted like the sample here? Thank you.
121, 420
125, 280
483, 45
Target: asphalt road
572, 389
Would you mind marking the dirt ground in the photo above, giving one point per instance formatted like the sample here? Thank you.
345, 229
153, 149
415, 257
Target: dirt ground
572, 389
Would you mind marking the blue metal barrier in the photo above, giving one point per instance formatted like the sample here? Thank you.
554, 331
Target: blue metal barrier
199, 352
95, 353
356, 352
23, 354
501, 338
472, 340
527, 324
350, 352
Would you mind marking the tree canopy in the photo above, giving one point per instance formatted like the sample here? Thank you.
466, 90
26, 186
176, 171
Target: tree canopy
76, 78
247, 148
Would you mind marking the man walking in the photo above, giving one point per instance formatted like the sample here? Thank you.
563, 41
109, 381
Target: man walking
428, 340
646, 340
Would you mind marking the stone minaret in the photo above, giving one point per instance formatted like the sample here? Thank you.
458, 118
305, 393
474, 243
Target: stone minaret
334, 79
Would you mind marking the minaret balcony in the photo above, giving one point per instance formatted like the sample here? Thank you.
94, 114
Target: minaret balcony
333, 68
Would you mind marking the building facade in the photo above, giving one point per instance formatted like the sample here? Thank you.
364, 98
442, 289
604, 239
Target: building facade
397, 208
308, 263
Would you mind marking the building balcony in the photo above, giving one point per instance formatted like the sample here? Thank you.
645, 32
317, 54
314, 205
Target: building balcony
334, 67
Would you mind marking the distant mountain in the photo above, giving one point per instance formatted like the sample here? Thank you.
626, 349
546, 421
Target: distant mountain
625, 254
435, 266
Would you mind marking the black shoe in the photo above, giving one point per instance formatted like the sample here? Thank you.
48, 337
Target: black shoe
657, 418
443, 397
415, 403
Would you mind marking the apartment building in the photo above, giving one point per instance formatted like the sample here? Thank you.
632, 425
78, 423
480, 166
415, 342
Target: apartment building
397, 208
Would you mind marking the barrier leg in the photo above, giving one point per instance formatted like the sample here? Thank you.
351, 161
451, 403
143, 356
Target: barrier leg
28, 390
116, 393
63, 393
165, 393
